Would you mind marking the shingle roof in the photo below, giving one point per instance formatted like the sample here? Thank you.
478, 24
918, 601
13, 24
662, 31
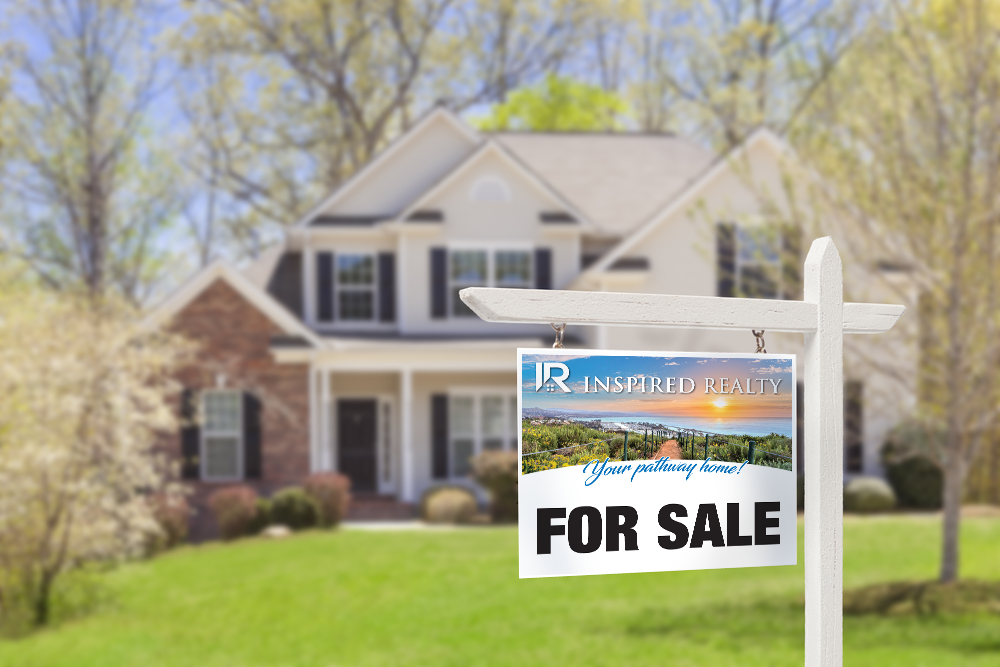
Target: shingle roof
617, 180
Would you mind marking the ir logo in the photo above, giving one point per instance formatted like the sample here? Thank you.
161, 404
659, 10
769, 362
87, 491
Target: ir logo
543, 373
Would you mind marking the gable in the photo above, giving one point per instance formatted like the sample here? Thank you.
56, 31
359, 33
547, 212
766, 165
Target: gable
493, 195
403, 171
735, 187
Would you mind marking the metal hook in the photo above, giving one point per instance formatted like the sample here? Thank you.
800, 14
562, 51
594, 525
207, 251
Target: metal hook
759, 335
559, 329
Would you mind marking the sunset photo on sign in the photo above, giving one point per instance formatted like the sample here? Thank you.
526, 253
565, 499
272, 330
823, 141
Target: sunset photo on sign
629, 406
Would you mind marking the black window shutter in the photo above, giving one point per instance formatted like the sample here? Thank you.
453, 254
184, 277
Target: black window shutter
190, 435
386, 287
543, 268
791, 262
251, 436
439, 436
725, 254
324, 286
439, 282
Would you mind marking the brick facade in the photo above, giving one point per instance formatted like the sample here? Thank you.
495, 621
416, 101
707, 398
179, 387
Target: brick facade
234, 340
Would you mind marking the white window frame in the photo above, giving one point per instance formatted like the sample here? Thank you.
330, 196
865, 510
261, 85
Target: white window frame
491, 250
204, 434
339, 287
477, 394
739, 263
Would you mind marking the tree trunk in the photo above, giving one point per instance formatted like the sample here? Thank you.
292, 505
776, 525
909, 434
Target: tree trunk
42, 601
952, 517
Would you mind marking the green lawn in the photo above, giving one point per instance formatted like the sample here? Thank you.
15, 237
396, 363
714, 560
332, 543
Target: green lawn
453, 598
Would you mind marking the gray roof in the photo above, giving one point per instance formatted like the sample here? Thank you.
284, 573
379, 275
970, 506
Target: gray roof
617, 180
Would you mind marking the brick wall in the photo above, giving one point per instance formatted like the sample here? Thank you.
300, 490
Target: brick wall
233, 339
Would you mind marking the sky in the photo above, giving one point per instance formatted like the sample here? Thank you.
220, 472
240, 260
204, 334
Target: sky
698, 404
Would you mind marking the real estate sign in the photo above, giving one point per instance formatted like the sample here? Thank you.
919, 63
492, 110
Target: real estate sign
655, 461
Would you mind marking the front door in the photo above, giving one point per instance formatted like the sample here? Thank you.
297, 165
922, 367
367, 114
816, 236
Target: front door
356, 441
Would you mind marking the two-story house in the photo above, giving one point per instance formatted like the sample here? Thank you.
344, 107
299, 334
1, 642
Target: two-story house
348, 348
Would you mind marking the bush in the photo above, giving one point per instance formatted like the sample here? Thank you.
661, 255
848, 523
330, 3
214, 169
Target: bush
234, 509
497, 471
171, 513
448, 504
331, 491
918, 483
261, 518
295, 508
868, 494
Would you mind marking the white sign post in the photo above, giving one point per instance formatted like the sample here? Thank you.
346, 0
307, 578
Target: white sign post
823, 318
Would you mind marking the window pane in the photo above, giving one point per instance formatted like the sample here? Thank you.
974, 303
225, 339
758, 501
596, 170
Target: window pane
493, 443
515, 422
493, 417
468, 267
355, 270
758, 282
458, 306
462, 449
757, 244
222, 457
461, 417
513, 268
357, 304
222, 411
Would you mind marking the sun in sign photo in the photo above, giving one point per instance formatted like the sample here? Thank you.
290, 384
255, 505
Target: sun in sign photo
720, 403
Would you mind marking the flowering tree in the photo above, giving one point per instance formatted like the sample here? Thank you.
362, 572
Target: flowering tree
85, 393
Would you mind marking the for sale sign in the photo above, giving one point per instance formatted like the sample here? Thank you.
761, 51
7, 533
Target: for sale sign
655, 461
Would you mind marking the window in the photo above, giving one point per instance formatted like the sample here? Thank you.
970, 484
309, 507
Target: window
480, 268
479, 422
758, 262
490, 189
355, 287
222, 435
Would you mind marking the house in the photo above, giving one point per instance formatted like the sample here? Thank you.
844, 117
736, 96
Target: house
347, 348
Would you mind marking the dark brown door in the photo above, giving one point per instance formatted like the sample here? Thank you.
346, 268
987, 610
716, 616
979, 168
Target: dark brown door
356, 441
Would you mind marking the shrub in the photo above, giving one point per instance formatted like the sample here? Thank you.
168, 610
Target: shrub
295, 508
331, 491
868, 494
234, 508
448, 504
261, 518
171, 513
918, 483
497, 471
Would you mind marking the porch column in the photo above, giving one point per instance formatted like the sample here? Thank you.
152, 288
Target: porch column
406, 433
314, 427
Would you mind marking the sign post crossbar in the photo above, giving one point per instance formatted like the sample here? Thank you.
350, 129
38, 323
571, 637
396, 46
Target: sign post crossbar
823, 318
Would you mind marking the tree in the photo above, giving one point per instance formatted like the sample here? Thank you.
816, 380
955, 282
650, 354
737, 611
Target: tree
287, 100
88, 194
558, 103
728, 67
905, 142
86, 394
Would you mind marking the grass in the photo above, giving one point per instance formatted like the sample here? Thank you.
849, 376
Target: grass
453, 598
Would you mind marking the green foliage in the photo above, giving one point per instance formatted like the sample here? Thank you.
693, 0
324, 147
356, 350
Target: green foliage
295, 508
918, 483
558, 103
497, 471
261, 518
868, 494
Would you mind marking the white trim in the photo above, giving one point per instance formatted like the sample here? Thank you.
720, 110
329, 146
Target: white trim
260, 299
683, 199
408, 486
492, 147
362, 174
